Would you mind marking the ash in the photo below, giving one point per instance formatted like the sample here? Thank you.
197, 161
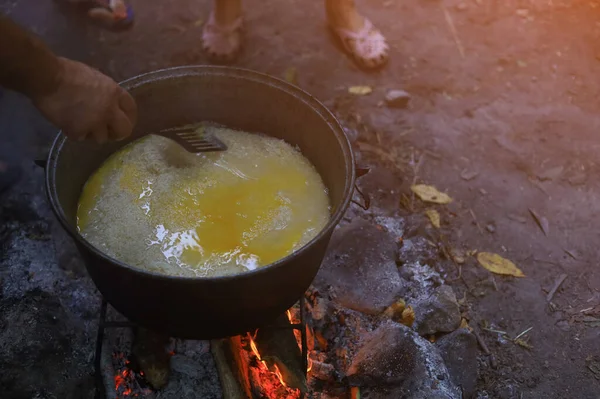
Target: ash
189, 373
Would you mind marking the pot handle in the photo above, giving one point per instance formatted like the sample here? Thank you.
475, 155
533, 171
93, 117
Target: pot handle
360, 172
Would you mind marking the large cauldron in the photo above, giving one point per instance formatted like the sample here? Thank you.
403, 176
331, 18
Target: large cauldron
203, 308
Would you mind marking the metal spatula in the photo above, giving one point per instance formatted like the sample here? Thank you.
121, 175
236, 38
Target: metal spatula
193, 139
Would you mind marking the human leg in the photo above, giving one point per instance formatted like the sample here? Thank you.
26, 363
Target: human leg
222, 34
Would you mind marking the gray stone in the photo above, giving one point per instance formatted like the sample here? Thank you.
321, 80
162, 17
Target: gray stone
438, 312
360, 271
459, 351
397, 98
395, 362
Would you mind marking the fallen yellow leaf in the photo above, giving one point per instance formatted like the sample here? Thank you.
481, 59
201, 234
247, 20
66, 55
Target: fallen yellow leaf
291, 75
395, 309
464, 324
360, 90
497, 264
434, 217
430, 194
408, 316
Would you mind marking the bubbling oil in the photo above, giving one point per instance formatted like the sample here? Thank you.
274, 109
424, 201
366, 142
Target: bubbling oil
157, 207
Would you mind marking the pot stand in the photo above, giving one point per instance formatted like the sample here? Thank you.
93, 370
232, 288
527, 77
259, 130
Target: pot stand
104, 324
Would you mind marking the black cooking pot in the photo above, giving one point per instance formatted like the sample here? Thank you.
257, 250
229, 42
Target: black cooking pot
203, 308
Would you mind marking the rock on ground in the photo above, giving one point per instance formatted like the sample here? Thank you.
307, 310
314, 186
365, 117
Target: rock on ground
395, 362
397, 98
438, 312
459, 351
359, 270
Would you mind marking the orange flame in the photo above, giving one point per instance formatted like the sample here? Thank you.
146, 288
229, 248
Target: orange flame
278, 374
253, 347
267, 374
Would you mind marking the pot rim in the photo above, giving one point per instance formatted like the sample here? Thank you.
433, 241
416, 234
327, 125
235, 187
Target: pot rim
233, 72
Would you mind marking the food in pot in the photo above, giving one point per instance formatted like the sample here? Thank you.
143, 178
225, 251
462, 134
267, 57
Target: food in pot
157, 207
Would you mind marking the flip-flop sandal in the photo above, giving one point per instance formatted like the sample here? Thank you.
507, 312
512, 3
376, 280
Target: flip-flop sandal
222, 43
368, 46
103, 12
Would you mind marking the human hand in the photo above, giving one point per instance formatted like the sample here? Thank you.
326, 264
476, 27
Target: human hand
88, 104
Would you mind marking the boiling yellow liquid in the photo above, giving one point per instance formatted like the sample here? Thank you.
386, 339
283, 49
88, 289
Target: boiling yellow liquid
157, 207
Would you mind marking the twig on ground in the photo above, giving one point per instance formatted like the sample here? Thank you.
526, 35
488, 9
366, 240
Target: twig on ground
494, 282
495, 331
481, 343
540, 187
452, 27
485, 349
561, 279
546, 261
475, 220
523, 333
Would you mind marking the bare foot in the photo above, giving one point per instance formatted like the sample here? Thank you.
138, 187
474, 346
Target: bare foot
222, 34
360, 38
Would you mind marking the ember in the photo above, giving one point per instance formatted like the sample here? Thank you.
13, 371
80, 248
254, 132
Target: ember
126, 379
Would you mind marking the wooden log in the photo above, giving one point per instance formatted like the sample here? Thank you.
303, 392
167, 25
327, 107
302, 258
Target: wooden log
278, 346
149, 351
233, 369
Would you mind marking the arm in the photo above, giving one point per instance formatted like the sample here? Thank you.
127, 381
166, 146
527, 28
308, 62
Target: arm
26, 64
80, 100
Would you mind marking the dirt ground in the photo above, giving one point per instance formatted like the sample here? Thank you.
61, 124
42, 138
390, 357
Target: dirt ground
504, 118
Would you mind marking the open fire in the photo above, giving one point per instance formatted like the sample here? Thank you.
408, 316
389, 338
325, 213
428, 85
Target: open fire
266, 373
269, 380
269, 360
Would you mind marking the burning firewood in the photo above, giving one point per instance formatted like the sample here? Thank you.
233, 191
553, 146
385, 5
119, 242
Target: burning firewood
266, 364
278, 348
233, 370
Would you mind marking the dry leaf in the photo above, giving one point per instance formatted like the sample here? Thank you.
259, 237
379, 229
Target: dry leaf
468, 174
434, 217
408, 317
570, 253
360, 90
430, 194
551, 174
395, 309
457, 255
464, 323
541, 221
472, 252
497, 264
291, 75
